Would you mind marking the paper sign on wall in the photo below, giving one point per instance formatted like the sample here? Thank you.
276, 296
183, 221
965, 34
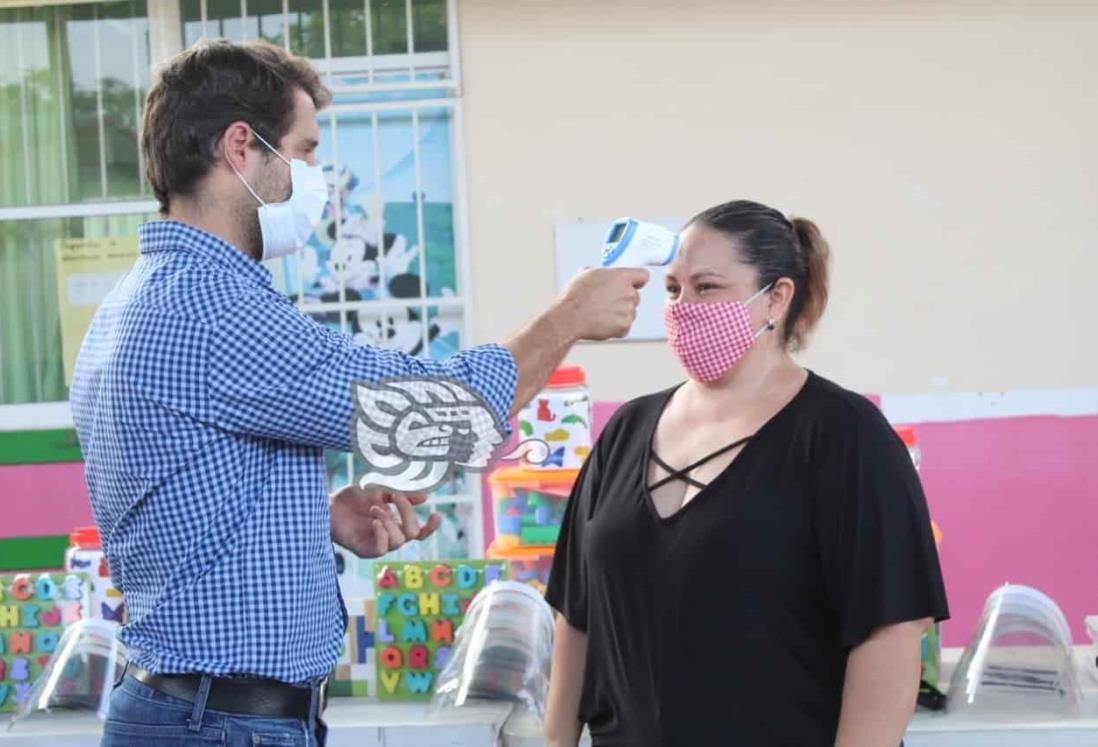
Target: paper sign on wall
87, 270
419, 609
34, 610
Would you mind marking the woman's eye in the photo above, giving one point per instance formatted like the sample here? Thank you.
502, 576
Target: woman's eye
703, 287
672, 290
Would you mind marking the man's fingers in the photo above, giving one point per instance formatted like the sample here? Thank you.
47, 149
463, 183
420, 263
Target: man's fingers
381, 537
433, 523
396, 536
638, 276
408, 519
415, 499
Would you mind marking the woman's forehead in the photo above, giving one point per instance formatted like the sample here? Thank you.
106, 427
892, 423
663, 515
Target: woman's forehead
704, 249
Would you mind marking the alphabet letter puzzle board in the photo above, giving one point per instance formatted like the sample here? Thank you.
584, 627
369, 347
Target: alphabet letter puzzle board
419, 608
34, 610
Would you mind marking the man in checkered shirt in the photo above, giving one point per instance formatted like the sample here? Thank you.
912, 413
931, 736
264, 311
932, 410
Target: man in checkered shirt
204, 401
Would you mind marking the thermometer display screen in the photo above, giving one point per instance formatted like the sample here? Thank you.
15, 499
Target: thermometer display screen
616, 233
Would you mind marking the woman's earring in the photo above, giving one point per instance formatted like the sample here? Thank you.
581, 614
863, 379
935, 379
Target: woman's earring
770, 325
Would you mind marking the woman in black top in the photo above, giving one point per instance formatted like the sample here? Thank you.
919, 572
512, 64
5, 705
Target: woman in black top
747, 558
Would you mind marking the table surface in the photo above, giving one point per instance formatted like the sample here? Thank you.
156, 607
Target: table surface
349, 718
342, 713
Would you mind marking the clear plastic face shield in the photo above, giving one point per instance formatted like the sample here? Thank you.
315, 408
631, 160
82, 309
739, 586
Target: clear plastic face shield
80, 675
1020, 661
502, 650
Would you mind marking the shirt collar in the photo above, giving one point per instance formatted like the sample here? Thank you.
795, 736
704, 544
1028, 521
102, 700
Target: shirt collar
171, 235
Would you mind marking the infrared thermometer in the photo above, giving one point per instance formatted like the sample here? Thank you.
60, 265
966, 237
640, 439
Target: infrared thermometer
635, 243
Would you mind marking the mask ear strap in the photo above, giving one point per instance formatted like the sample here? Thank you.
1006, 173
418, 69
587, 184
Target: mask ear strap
770, 326
269, 146
770, 323
245, 183
759, 293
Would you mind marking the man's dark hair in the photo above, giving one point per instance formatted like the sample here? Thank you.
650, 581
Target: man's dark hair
205, 89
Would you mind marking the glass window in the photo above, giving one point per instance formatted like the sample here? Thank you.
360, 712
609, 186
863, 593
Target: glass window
32, 351
72, 82
376, 239
265, 21
389, 25
348, 25
190, 12
382, 267
429, 19
307, 28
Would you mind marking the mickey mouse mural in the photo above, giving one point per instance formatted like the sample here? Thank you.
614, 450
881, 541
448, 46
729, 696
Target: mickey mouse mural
359, 254
353, 252
402, 331
359, 257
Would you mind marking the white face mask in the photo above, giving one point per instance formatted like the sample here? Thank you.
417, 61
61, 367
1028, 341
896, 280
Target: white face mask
286, 226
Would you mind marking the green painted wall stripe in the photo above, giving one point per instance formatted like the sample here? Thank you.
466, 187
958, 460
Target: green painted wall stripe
39, 447
32, 553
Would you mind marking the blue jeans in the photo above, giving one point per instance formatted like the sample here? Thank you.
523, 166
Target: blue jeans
142, 716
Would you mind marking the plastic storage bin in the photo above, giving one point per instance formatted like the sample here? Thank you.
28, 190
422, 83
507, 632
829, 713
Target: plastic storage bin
529, 505
528, 564
85, 555
911, 441
561, 417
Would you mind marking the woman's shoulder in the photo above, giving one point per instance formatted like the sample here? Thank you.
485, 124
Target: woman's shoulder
836, 409
633, 415
646, 404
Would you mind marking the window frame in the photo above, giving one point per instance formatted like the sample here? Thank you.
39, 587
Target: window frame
166, 36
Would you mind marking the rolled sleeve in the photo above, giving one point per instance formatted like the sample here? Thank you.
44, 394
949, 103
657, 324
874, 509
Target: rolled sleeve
276, 373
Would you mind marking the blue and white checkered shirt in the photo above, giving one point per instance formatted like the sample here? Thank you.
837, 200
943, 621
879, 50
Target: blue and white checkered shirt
203, 399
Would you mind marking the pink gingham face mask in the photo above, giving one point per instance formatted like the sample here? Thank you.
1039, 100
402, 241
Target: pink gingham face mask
710, 338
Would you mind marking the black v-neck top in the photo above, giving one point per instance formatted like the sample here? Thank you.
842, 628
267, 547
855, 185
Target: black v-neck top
730, 621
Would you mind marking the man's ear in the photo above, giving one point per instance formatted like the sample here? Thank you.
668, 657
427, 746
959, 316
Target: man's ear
234, 144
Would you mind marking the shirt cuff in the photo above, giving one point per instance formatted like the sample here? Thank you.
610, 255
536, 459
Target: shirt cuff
496, 380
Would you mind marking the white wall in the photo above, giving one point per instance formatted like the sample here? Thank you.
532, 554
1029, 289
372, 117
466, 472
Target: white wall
948, 151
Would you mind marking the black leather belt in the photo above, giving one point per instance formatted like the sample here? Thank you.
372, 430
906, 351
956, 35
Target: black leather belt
243, 695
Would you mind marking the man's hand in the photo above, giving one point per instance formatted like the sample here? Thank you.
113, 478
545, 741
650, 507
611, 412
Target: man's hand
373, 522
602, 303
597, 305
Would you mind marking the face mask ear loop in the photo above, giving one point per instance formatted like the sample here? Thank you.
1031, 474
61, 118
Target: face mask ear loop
770, 326
270, 147
245, 183
770, 323
760, 292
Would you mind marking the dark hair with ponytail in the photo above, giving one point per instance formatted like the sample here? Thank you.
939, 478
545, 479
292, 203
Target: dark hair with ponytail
778, 247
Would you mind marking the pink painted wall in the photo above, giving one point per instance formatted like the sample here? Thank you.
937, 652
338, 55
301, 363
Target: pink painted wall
43, 499
1016, 501
1015, 498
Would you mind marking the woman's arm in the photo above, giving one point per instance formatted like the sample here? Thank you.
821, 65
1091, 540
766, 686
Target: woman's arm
562, 724
882, 683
